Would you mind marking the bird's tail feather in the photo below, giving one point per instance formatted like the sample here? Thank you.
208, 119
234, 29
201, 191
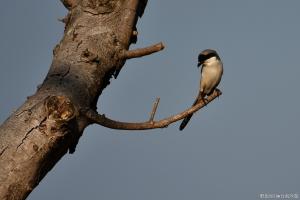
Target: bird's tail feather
185, 122
187, 119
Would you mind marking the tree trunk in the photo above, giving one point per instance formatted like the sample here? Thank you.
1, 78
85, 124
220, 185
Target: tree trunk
50, 122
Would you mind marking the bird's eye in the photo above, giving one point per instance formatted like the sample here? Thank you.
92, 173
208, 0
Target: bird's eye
201, 58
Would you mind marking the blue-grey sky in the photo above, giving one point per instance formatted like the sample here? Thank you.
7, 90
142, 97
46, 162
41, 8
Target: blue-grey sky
242, 145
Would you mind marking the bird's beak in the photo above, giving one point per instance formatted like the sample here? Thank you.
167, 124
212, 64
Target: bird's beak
200, 63
201, 59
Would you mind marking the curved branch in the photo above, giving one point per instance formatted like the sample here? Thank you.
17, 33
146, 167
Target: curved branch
163, 123
135, 53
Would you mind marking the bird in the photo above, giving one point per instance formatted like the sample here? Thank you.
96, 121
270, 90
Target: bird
211, 74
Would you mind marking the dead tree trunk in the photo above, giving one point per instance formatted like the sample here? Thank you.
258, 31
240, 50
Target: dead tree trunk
93, 49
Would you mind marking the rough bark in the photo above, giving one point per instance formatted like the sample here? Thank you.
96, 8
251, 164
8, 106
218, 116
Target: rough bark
49, 124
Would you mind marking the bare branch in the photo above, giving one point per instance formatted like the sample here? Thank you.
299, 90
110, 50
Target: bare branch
155, 105
127, 54
163, 123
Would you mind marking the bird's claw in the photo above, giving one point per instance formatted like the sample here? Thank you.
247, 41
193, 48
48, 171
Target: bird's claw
205, 101
218, 92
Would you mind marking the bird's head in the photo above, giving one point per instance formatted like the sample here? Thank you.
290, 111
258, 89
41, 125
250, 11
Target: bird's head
205, 55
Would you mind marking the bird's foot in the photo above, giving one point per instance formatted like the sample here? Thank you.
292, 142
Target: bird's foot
205, 101
218, 91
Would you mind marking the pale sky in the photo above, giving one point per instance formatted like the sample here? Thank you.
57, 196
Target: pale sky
244, 144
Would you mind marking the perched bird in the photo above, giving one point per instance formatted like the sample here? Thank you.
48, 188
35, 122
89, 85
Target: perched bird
211, 74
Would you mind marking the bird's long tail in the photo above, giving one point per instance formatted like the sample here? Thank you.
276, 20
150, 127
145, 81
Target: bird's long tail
187, 119
185, 122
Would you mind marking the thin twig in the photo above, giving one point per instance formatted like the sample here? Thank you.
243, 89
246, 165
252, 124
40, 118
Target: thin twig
155, 105
94, 117
127, 54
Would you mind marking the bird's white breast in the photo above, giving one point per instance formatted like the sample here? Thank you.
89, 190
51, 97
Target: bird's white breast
212, 71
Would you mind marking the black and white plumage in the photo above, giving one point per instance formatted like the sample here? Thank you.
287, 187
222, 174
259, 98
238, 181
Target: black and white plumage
211, 74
